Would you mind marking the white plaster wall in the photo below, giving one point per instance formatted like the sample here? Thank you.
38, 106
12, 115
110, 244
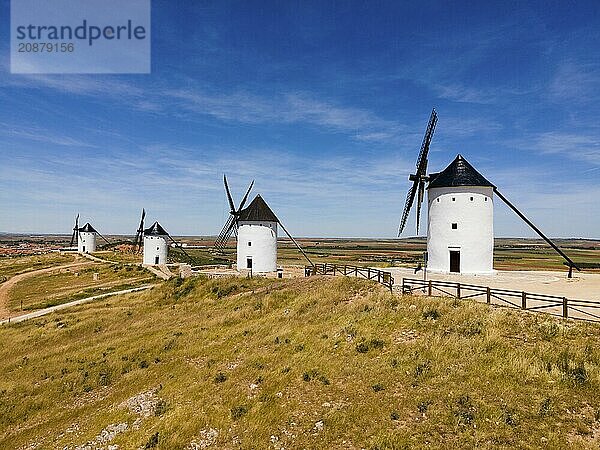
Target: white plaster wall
155, 246
472, 209
86, 240
263, 248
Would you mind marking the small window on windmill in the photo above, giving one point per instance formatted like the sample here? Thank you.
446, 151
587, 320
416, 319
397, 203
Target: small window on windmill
486, 199
454, 226
453, 199
249, 244
157, 248
438, 200
471, 198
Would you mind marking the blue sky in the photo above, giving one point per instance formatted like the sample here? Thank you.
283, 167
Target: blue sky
324, 104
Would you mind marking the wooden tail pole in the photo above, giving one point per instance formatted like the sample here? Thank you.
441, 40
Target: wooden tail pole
538, 231
297, 245
105, 240
180, 247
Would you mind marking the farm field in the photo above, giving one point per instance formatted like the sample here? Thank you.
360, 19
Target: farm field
198, 363
11, 266
64, 285
510, 254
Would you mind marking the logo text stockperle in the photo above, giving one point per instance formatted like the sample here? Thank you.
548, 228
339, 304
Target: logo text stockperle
83, 32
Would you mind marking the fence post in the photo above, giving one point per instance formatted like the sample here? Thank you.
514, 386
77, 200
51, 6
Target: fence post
489, 296
429, 291
457, 290
523, 300
345, 269
368, 273
379, 276
355, 271
565, 308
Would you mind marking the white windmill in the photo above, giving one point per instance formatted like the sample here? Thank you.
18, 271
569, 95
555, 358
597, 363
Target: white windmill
256, 229
460, 228
155, 242
85, 237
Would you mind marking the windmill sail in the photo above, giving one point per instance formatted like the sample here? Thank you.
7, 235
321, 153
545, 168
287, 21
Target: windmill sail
420, 177
231, 224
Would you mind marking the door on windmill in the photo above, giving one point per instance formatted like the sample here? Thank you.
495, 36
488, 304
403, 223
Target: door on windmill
156, 260
455, 261
248, 263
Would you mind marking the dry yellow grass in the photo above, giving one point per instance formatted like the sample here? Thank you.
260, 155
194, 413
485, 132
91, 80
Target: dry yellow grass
300, 363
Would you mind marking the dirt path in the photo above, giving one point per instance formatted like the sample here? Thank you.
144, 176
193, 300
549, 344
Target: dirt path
42, 312
8, 284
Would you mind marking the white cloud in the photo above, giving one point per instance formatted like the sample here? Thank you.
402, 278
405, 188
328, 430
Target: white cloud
582, 147
575, 82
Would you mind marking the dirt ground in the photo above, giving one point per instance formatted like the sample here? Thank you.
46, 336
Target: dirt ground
583, 286
7, 286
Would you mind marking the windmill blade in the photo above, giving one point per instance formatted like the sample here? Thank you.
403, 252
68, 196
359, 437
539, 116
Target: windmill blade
225, 228
243, 202
410, 198
225, 233
219, 242
420, 195
419, 177
140, 231
422, 159
229, 198
232, 229
75, 230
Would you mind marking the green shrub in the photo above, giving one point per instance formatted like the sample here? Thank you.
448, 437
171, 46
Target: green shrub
431, 314
464, 411
238, 412
161, 408
153, 441
545, 408
220, 377
377, 387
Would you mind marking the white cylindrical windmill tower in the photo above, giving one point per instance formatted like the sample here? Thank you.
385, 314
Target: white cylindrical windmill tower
86, 239
460, 231
257, 238
156, 245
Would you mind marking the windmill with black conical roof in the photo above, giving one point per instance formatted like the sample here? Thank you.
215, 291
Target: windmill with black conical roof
155, 243
460, 226
256, 228
85, 237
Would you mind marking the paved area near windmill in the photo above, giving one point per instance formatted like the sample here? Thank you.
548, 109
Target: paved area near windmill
583, 286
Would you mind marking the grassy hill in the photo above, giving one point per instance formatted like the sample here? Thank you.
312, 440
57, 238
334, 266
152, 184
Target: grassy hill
300, 363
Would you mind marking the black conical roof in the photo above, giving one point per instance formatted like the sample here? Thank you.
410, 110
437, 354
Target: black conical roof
258, 211
156, 230
87, 228
459, 173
